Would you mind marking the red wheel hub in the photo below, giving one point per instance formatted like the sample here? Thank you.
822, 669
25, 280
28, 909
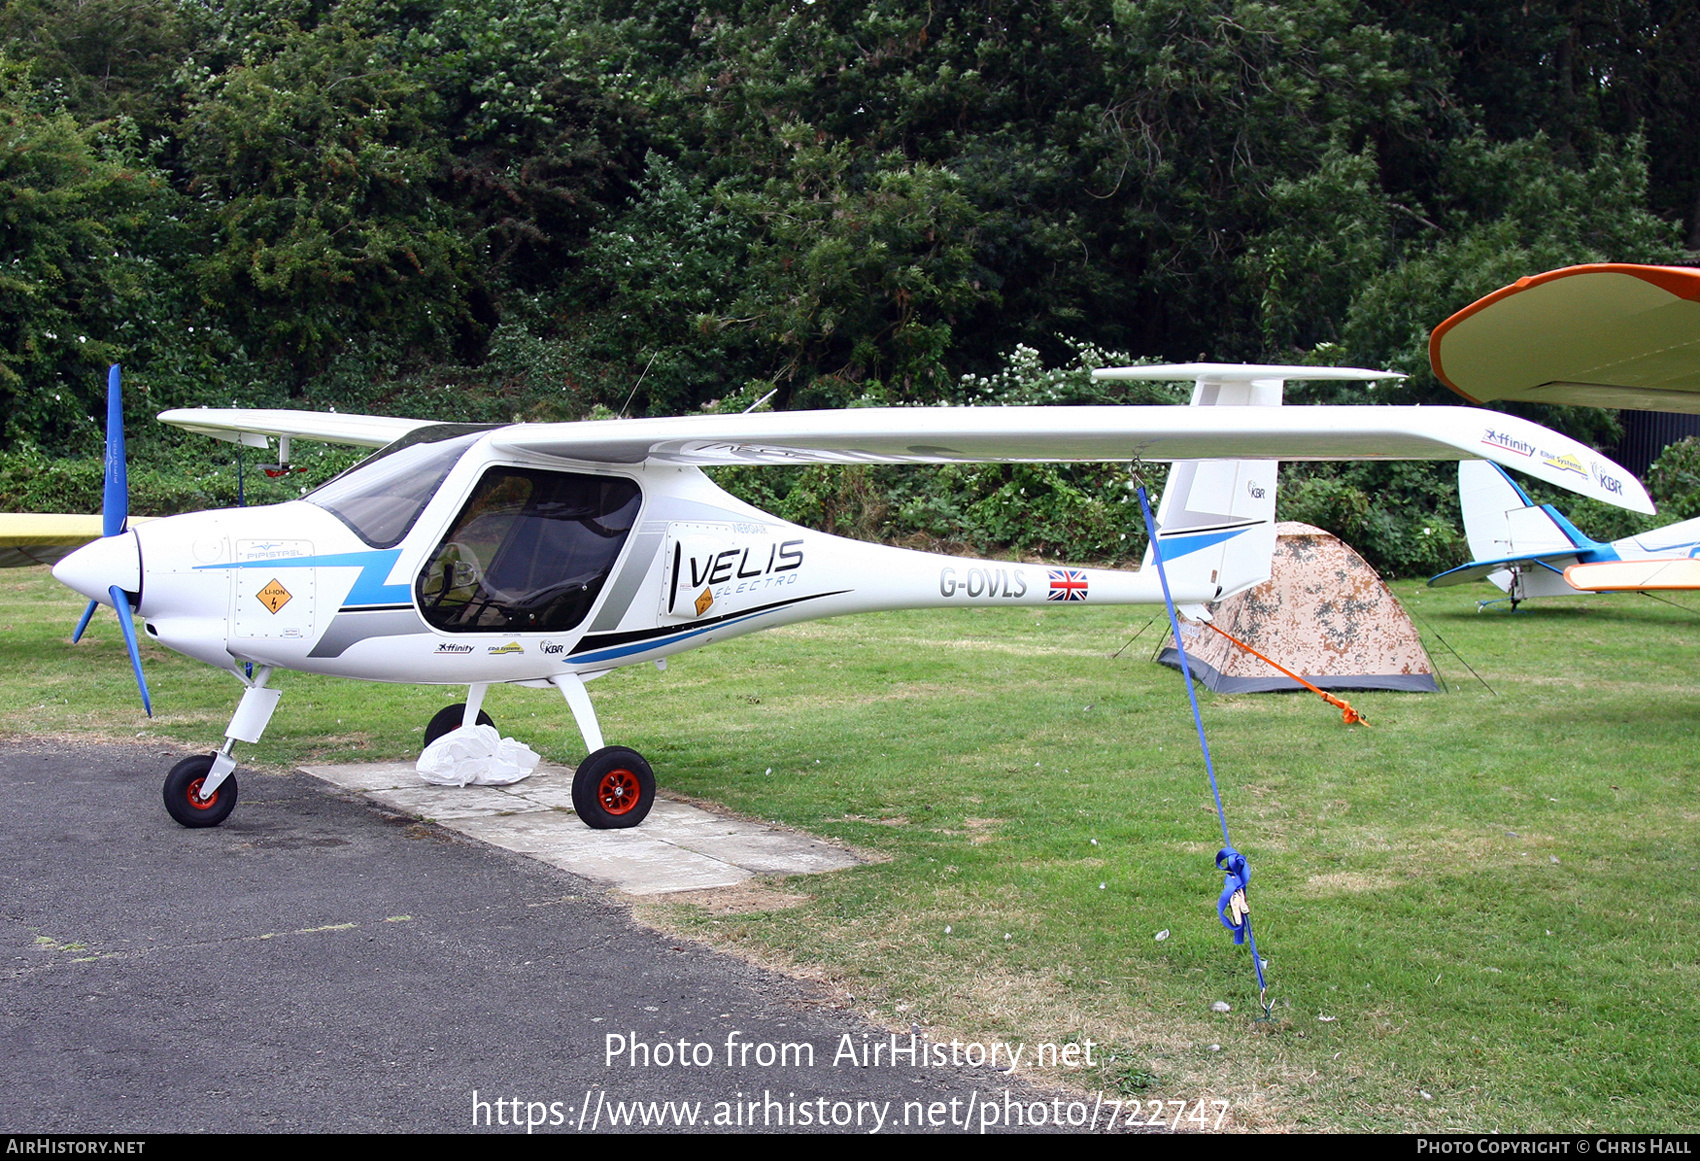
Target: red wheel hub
195, 799
617, 792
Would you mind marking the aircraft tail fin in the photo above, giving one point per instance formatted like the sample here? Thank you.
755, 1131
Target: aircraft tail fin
1501, 521
1518, 545
1216, 520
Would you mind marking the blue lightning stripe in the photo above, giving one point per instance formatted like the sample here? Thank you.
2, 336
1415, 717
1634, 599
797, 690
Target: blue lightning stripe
369, 587
1178, 546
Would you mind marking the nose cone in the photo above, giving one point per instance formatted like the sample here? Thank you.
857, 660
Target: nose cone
96, 567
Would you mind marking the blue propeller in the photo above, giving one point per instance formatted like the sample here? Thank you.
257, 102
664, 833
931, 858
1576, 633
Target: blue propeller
114, 514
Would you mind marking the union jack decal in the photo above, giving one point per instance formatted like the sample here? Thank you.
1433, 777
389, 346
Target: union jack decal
1067, 584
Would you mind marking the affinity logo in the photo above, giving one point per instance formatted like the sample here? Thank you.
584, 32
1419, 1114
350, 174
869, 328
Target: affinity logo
1509, 443
450, 647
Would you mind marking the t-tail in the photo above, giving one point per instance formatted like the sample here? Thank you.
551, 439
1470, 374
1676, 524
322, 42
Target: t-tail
1216, 519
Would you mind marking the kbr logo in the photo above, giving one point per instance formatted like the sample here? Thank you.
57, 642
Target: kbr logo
1607, 481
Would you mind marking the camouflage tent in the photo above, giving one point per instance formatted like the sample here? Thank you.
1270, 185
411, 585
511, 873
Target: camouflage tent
1323, 613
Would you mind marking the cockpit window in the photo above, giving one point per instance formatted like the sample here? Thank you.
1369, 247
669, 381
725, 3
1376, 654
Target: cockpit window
381, 496
529, 553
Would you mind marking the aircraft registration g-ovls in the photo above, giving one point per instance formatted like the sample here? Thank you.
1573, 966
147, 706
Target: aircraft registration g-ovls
1602, 335
547, 555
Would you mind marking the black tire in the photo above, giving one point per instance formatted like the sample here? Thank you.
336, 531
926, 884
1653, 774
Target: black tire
448, 720
182, 800
613, 789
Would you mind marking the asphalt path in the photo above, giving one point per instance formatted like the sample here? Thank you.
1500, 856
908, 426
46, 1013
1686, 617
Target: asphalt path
319, 965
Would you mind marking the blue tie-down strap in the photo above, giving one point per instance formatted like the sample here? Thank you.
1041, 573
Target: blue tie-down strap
1232, 906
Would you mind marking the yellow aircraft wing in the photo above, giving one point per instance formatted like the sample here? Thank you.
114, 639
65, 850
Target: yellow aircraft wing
28, 538
1606, 335
1635, 575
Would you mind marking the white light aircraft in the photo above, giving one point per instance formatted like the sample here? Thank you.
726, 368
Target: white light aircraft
547, 555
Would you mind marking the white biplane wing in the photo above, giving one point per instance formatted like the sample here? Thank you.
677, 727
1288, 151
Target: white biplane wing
1609, 334
1678, 574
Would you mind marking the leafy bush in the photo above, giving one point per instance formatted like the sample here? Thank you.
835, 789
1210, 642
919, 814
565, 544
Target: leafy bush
1674, 480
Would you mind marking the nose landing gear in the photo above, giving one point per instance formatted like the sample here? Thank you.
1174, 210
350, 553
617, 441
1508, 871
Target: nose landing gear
201, 791
450, 718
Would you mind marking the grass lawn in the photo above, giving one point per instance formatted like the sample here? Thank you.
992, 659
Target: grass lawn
1477, 913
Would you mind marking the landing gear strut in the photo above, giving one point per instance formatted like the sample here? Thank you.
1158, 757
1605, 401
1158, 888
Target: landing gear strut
201, 791
614, 787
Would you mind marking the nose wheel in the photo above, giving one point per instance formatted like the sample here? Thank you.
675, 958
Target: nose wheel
184, 799
613, 789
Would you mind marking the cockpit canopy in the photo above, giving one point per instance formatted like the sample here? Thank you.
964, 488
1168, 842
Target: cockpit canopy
529, 552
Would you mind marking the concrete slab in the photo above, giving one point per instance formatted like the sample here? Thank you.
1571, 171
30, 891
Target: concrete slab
443, 803
679, 847
369, 775
627, 859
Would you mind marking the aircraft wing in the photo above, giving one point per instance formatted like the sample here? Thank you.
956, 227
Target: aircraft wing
28, 538
1606, 335
936, 435
250, 428
1635, 575
1482, 569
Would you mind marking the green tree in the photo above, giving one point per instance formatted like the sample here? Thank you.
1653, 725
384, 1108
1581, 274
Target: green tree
314, 169
75, 206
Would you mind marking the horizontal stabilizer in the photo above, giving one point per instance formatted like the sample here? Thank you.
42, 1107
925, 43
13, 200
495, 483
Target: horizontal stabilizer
1203, 373
1478, 570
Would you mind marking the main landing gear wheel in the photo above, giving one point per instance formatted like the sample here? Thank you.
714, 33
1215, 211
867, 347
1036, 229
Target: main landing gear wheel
448, 720
183, 799
613, 789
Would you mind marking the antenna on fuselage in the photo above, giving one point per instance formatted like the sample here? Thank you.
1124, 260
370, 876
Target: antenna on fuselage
638, 384
760, 401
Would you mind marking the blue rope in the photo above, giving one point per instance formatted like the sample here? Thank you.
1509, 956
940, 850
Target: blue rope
1232, 906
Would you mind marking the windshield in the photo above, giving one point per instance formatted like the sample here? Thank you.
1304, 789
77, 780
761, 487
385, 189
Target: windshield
381, 496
